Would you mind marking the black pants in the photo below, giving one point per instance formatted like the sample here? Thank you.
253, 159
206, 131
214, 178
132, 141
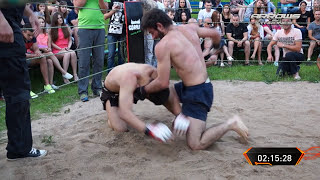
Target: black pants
291, 67
15, 84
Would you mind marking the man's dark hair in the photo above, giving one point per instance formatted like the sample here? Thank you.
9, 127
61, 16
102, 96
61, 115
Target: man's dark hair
27, 27
169, 10
154, 16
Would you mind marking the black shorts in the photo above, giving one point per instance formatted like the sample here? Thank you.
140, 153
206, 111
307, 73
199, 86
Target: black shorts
158, 98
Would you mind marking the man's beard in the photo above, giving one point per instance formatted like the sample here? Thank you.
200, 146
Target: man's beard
160, 34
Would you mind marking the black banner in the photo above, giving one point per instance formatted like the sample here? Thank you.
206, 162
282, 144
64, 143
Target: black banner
135, 44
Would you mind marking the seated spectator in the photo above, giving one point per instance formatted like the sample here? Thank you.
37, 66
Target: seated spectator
72, 20
255, 35
166, 4
290, 40
33, 51
237, 35
225, 16
53, 6
205, 13
270, 30
217, 24
303, 21
45, 48
314, 33
42, 10
287, 6
256, 7
63, 10
182, 18
218, 6
181, 8
170, 12
61, 42
185, 4
237, 7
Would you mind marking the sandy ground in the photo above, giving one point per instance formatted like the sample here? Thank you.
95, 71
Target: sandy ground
277, 115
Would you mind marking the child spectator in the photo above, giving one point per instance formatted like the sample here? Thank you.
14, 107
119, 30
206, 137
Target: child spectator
45, 48
61, 42
170, 12
255, 34
32, 51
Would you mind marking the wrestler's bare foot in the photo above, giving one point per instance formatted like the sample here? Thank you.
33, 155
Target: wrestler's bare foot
238, 126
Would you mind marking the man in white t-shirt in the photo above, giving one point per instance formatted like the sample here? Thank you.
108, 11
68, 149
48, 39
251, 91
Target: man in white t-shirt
205, 13
290, 40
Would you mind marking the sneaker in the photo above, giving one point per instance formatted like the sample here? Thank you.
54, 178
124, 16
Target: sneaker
84, 97
33, 95
54, 87
222, 65
33, 153
297, 77
309, 59
276, 64
48, 89
67, 76
230, 58
1, 98
97, 93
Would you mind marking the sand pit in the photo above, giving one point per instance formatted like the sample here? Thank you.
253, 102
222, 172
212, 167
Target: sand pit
284, 114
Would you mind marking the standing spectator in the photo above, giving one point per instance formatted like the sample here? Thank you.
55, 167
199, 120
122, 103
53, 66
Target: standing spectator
304, 20
205, 13
255, 35
290, 40
314, 33
15, 83
225, 16
116, 32
237, 35
60, 41
90, 35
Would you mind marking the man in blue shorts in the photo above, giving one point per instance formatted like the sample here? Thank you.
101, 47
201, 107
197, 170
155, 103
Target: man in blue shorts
180, 47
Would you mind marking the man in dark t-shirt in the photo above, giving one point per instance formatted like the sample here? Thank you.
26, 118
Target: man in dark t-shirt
237, 34
15, 82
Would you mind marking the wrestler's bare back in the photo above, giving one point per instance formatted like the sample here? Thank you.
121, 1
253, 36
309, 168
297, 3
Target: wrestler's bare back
119, 75
183, 45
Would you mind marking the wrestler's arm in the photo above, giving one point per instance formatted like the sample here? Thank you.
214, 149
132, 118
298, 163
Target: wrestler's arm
127, 88
163, 69
209, 33
6, 33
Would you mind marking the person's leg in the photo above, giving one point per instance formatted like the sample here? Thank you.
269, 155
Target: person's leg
148, 47
43, 68
120, 50
199, 138
276, 53
56, 63
74, 65
15, 83
259, 53
114, 120
84, 60
318, 62
293, 57
50, 71
230, 50
173, 103
310, 49
247, 51
256, 43
112, 50
98, 61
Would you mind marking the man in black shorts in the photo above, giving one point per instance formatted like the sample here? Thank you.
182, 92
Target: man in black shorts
123, 87
15, 82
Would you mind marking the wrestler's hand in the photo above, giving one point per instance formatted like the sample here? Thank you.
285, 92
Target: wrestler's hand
6, 33
180, 125
140, 93
159, 132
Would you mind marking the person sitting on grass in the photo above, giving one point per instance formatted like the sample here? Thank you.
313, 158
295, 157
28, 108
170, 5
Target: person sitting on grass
33, 51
